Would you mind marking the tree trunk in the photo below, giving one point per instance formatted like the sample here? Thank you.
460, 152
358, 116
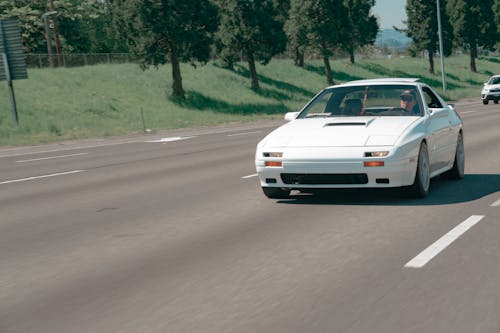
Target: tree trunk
178, 91
473, 55
299, 58
351, 54
328, 70
431, 62
254, 80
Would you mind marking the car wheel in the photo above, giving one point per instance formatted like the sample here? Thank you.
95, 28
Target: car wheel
276, 192
457, 171
420, 187
495, 101
485, 101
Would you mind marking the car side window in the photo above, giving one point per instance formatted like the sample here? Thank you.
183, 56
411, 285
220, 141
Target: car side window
430, 99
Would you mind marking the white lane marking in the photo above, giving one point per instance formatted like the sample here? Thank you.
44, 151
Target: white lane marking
40, 177
496, 203
433, 250
51, 157
465, 112
249, 176
175, 138
238, 134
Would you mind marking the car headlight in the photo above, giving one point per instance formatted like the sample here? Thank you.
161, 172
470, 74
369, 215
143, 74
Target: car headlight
383, 153
486, 90
273, 154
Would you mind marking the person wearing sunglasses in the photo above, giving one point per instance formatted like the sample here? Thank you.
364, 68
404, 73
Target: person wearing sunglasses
408, 102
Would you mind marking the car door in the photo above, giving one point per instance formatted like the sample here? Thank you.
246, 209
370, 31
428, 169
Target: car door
440, 131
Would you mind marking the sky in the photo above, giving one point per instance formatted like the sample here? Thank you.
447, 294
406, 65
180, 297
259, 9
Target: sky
390, 13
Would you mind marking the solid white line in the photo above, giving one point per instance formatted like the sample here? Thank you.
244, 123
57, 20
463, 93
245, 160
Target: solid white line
433, 250
496, 203
238, 134
40, 177
465, 112
175, 138
51, 157
250, 176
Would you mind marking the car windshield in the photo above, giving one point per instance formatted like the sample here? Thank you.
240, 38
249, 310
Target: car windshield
495, 80
364, 100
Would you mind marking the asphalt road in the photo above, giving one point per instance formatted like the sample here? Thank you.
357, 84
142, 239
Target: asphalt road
127, 235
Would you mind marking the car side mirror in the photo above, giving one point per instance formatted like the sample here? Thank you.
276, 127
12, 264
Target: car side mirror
452, 106
289, 116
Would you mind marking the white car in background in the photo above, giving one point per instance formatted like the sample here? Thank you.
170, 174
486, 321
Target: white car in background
357, 135
491, 90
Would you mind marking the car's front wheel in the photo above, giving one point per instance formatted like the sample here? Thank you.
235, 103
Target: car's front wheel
276, 192
485, 101
457, 171
421, 184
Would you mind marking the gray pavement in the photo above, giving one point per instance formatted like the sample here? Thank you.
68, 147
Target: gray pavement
128, 235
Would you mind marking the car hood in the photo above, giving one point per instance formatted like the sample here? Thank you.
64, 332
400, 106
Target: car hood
340, 132
492, 87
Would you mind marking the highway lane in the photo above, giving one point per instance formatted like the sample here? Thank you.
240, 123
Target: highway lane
168, 237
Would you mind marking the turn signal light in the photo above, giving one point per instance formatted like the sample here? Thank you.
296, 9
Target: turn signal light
273, 164
373, 163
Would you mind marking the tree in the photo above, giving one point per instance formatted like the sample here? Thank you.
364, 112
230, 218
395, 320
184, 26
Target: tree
84, 25
161, 31
423, 27
474, 25
254, 28
363, 25
296, 32
325, 25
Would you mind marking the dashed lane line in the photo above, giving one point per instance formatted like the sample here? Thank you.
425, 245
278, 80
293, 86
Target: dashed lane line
40, 177
249, 176
433, 250
50, 158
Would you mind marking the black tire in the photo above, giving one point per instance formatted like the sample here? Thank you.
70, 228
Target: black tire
458, 169
495, 101
276, 192
485, 101
421, 184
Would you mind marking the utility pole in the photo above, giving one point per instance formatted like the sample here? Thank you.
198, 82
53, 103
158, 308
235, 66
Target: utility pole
443, 76
47, 36
56, 35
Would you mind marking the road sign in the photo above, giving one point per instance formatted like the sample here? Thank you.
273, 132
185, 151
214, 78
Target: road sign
12, 60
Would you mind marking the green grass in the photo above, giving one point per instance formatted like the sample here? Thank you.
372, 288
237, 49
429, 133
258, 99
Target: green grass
106, 100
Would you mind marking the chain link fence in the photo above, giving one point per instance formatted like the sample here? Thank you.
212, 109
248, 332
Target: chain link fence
78, 59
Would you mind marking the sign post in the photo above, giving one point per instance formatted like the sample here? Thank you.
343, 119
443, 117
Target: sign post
13, 62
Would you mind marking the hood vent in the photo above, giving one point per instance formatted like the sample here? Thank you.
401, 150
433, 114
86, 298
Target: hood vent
346, 124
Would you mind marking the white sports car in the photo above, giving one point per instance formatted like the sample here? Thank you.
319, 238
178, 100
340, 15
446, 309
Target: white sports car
364, 134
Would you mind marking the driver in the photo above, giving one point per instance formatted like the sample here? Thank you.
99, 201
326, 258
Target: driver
408, 102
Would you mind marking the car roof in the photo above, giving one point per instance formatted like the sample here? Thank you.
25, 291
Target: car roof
387, 80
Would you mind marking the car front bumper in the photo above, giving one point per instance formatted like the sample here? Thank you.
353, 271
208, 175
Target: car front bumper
334, 172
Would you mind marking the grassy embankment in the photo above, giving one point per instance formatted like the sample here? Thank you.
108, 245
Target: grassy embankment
106, 100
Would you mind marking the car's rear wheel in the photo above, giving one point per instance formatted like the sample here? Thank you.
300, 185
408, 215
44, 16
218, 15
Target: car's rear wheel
457, 171
495, 101
421, 184
276, 192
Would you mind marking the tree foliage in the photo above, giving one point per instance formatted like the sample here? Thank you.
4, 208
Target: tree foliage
320, 26
474, 25
423, 28
363, 25
254, 28
161, 31
83, 24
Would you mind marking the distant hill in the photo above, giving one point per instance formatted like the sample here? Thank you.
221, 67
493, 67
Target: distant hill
392, 39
